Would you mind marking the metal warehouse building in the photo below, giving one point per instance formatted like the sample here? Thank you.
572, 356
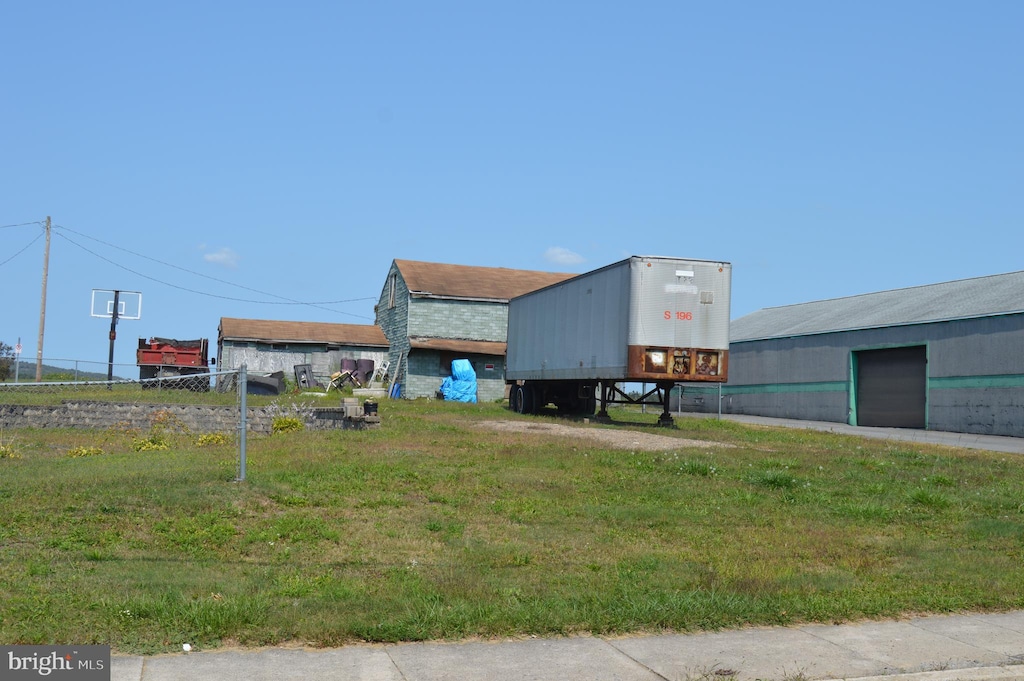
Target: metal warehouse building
945, 357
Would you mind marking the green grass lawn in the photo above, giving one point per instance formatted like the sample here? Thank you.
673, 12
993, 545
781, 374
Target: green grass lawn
431, 528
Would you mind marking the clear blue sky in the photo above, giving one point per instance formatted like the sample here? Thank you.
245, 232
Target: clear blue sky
207, 152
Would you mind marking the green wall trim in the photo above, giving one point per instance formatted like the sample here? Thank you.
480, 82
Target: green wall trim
959, 382
768, 388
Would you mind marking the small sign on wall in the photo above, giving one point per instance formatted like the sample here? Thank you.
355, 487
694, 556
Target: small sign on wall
488, 367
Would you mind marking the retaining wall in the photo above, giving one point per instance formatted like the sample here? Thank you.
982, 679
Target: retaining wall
197, 418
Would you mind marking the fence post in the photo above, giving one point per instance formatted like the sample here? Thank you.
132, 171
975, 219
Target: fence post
243, 414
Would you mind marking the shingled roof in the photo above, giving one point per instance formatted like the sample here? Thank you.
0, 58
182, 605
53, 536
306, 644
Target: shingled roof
457, 345
964, 299
267, 331
463, 281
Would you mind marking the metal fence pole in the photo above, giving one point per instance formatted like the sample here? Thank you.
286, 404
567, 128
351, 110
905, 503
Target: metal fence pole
243, 413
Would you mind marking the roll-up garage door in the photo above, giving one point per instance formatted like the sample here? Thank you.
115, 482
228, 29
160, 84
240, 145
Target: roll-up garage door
891, 387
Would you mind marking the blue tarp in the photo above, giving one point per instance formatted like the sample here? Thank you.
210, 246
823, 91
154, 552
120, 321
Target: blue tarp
461, 385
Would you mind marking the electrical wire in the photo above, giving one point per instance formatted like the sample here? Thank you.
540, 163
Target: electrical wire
205, 293
289, 301
22, 224
38, 237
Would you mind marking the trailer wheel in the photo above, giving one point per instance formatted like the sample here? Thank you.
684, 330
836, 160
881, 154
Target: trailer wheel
524, 399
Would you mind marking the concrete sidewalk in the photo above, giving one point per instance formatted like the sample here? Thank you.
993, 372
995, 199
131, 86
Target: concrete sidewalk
992, 443
942, 648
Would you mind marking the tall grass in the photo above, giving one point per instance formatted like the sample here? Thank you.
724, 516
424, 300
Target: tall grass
433, 528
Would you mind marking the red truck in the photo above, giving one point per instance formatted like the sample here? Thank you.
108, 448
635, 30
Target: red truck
170, 358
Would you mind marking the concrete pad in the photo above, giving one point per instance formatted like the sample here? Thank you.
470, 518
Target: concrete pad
981, 632
354, 663
1007, 620
994, 443
1011, 673
125, 667
571, 659
903, 647
747, 654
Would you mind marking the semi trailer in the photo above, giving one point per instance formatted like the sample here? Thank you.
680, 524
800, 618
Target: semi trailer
644, 320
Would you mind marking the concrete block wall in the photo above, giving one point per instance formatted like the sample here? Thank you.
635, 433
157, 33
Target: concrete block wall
425, 376
196, 418
490, 384
91, 414
424, 379
393, 321
463, 319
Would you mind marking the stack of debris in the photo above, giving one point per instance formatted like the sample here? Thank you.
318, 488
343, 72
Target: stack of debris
365, 412
351, 414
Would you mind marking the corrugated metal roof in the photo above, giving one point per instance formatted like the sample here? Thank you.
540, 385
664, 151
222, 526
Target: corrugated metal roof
268, 331
980, 297
464, 281
454, 345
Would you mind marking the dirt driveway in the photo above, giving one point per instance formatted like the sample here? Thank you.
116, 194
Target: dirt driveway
618, 438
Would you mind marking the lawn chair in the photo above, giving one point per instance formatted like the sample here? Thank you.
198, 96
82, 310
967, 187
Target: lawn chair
340, 378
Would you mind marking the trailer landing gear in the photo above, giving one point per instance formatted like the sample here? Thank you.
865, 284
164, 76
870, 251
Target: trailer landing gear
612, 394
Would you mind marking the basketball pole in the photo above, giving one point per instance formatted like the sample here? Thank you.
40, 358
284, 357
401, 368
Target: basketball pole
113, 336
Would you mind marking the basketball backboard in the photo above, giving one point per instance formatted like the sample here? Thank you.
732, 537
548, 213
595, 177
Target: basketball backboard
129, 304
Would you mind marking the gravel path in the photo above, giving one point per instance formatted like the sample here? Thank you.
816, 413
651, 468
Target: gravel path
619, 438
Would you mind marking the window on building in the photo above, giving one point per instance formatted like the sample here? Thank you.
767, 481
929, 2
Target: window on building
392, 285
445, 369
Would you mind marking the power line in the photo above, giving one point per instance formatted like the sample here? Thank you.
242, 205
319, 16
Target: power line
289, 301
205, 293
22, 224
38, 237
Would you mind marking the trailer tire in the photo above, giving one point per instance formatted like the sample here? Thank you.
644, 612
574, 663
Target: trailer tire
524, 399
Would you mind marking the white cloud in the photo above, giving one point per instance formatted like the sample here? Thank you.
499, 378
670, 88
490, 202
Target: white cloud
563, 256
225, 256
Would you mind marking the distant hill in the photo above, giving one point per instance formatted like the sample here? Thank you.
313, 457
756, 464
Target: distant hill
26, 372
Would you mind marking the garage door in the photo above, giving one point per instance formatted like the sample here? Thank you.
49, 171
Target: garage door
891, 387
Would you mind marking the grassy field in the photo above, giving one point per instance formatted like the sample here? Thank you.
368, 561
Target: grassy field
433, 528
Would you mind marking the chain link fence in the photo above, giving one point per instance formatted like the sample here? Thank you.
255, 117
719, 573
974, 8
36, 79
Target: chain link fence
235, 402
80, 380
77, 397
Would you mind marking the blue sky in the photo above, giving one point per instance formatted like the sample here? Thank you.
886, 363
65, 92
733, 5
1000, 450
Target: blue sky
208, 154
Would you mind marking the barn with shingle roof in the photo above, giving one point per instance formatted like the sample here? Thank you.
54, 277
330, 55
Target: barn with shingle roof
265, 345
946, 356
433, 313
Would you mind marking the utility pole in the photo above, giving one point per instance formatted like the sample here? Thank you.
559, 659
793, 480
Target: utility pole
42, 305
